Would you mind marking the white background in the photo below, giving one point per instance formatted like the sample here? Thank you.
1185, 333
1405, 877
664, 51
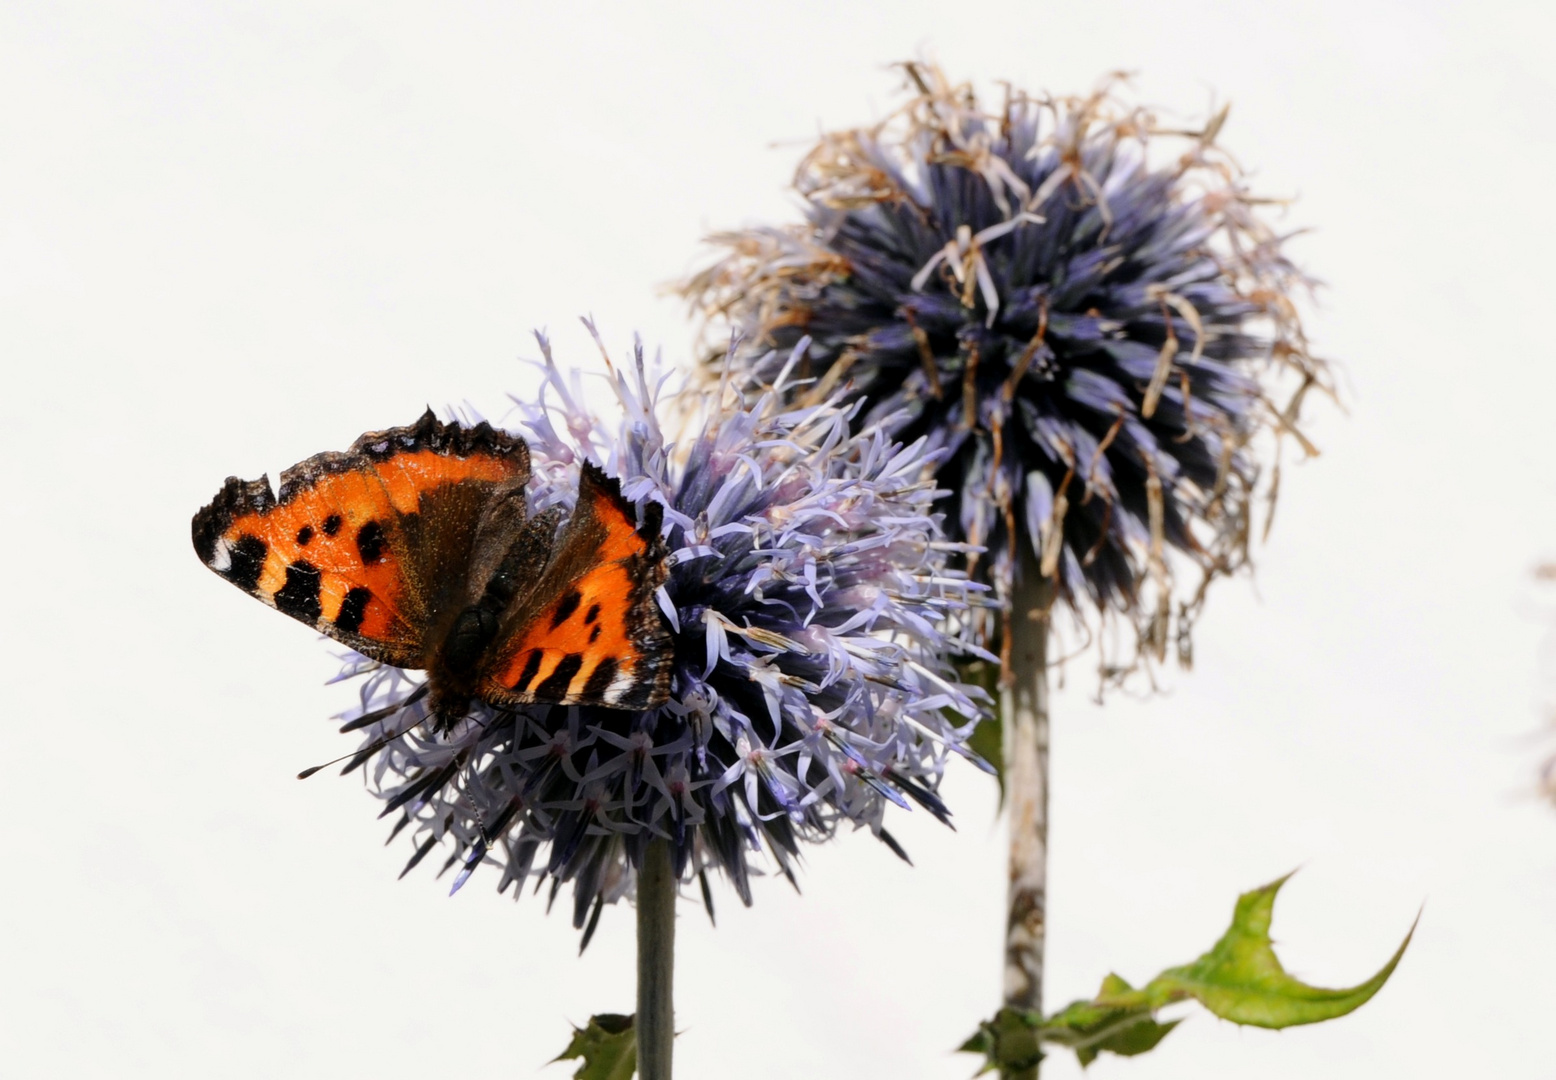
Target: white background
233, 235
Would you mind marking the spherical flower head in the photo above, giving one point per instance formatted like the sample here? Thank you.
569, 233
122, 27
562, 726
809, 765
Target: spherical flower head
1087, 332
807, 598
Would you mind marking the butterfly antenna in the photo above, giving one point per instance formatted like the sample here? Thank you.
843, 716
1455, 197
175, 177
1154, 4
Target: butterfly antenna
371, 748
377, 744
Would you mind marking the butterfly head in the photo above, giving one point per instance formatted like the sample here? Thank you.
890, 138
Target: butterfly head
447, 707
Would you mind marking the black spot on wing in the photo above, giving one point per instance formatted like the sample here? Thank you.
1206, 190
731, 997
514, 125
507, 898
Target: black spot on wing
600, 679
248, 562
531, 666
299, 597
565, 608
594, 635
370, 543
304, 535
592, 614
332, 525
352, 610
554, 688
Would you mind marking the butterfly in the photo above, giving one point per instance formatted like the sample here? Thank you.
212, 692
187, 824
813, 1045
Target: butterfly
417, 548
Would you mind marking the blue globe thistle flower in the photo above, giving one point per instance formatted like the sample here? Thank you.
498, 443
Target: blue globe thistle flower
1088, 334
808, 599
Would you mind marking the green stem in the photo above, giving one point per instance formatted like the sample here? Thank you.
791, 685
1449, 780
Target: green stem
1024, 717
656, 962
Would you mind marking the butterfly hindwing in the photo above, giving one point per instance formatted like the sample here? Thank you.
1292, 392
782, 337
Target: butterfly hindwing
589, 632
364, 546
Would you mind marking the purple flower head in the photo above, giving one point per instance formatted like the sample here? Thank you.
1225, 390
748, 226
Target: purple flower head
808, 599
1086, 333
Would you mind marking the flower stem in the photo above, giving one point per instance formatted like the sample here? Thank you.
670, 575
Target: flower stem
656, 962
1024, 716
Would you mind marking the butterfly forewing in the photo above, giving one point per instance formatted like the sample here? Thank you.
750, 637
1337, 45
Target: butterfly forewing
345, 548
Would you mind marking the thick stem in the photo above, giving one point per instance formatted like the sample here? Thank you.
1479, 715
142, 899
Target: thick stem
1024, 715
656, 962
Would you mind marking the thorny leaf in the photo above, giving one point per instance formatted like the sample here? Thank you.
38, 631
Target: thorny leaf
607, 1046
1089, 1028
1011, 1041
1240, 979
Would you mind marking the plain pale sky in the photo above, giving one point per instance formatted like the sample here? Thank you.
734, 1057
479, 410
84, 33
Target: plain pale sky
236, 234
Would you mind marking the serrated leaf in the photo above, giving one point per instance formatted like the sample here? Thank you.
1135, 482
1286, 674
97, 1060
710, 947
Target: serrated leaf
1011, 1042
1089, 1028
1240, 979
1127, 1041
607, 1047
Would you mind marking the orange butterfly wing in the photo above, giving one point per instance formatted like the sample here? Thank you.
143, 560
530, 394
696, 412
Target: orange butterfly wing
331, 551
591, 632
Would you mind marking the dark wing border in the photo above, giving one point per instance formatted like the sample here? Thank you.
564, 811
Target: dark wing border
238, 498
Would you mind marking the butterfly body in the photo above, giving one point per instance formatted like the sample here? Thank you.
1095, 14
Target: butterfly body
416, 547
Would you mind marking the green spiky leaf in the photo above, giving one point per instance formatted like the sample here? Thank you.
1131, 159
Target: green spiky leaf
606, 1048
1242, 980
1239, 979
1089, 1028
